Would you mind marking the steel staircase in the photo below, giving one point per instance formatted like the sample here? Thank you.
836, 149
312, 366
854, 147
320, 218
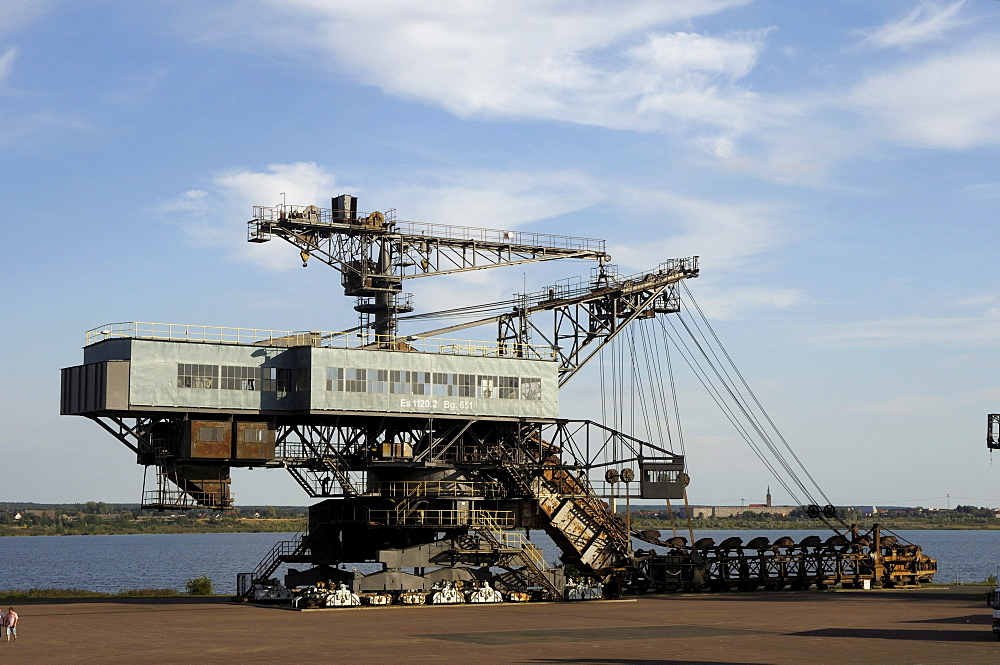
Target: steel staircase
576, 519
285, 551
532, 571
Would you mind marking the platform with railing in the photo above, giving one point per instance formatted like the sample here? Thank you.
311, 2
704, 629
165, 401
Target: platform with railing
178, 332
339, 221
168, 498
501, 519
439, 488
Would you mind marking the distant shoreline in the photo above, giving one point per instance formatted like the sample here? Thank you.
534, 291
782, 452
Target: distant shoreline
803, 525
146, 528
285, 528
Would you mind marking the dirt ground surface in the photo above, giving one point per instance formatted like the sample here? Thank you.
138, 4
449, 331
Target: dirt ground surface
930, 625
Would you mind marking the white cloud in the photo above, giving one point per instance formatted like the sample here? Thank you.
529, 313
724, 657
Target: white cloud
488, 199
641, 66
727, 235
983, 330
492, 199
910, 405
192, 201
986, 190
21, 128
16, 14
726, 300
731, 239
612, 65
211, 217
945, 101
7, 62
926, 22
303, 183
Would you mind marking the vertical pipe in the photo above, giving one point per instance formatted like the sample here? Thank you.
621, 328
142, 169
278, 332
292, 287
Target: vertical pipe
384, 316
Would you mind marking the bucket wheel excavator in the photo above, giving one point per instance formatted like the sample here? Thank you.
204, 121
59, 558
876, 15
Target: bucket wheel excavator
432, 459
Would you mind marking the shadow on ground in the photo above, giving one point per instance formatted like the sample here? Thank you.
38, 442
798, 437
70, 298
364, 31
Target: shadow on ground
905, 635
120, 600
633, 661
590, 634
977, 619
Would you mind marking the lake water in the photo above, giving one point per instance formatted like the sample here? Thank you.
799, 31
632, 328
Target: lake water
111, 563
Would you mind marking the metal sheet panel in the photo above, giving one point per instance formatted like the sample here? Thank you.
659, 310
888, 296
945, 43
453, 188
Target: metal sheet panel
155, 376
69, 402
157, 379
94, 387
109, 349
208, 439
116, 386
254, 441
326, 397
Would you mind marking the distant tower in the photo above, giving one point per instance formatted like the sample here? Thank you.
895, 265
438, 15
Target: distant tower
768, 496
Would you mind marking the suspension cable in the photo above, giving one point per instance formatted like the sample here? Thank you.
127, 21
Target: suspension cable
691, 360
752, 395
742, 398
754, 423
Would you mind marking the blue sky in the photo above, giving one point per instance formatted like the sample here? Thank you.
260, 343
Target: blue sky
833, 164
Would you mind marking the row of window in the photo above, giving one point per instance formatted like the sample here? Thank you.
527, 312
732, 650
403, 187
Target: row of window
265, 379
352, 380
440, 384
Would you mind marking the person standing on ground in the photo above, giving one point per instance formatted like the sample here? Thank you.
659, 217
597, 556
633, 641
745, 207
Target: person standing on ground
11, 623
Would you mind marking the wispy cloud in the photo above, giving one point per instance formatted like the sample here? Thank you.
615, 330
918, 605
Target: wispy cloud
16, 14
490, 199
631, 65
911, 404
493, 199
950, 100
729, 235
19, 124
735, 238
980, 300
986, 190
722, 298
642, 66
926, 22
732, 240
19, 129
209, 215
982, 330
7, 62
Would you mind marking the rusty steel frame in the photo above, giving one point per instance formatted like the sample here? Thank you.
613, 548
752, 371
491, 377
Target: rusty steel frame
416, 249
342, 448
586, 317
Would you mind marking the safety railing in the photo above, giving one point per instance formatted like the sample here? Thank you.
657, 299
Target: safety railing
271, 561
179, 332
516, 540
442, 518
534, 563
608, 277
397, 488
500, 237
178, 499
312, 215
